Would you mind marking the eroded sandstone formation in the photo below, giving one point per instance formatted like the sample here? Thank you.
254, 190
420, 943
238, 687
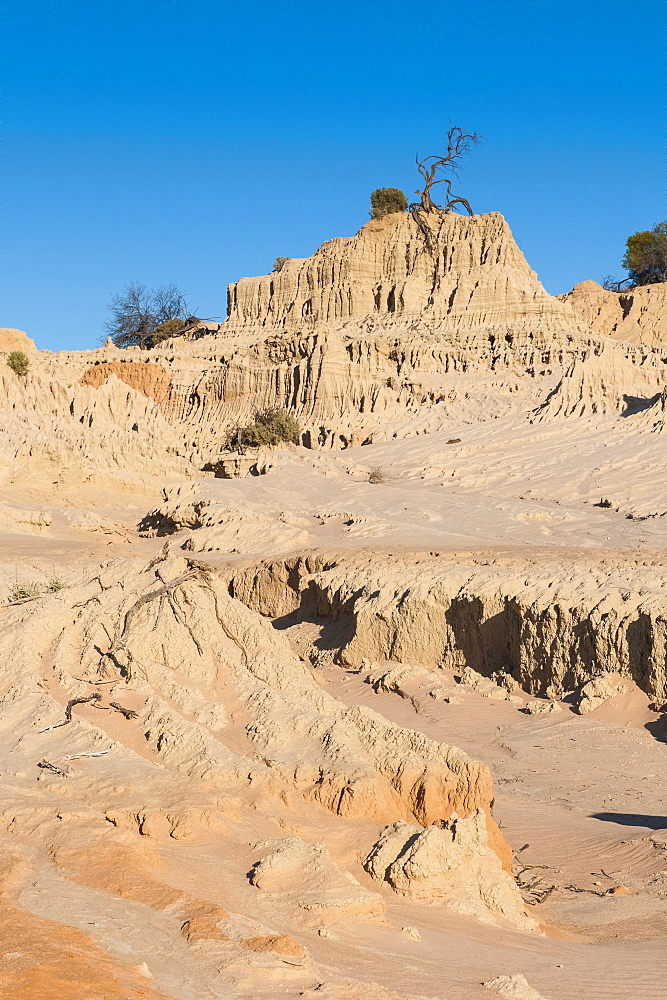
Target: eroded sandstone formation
159, 708
552, 630
636, 315
231, 759
377, 336
150, 379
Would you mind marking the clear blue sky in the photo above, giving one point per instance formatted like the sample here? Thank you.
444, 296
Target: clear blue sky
193, 141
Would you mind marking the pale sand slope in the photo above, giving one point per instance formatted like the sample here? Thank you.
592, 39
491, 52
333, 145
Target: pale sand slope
552, 774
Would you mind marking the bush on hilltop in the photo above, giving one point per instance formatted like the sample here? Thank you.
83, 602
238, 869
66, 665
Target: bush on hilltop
163, 331
385, 201
138, 313
646, 255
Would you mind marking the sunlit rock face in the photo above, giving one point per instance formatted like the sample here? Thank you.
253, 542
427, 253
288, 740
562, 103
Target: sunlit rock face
457, 271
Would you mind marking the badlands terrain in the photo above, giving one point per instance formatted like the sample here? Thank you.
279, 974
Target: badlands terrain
377, 716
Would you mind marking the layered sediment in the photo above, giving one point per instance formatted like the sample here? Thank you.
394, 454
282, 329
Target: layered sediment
552, 628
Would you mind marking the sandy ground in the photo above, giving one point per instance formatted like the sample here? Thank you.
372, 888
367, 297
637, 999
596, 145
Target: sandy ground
582, 800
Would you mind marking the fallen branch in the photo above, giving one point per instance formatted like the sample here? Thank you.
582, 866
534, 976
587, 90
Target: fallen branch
91, 699
129, 713
87, 680
48, 766
591, 892
540, 896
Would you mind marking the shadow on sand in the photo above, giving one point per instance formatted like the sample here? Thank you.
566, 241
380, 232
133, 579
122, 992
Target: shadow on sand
633, 819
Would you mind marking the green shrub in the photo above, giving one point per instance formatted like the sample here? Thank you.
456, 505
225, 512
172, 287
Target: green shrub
54, 585
18, 362
280, 262
646, 255
270, 427
163, 331
385, 201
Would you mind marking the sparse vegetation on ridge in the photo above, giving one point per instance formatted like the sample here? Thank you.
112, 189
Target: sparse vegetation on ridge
23, 592
646, 255
645, 259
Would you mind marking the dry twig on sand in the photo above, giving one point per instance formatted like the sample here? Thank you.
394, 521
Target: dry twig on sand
94, 753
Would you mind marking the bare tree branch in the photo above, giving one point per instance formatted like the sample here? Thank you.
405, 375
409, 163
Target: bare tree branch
458, 144
138, 311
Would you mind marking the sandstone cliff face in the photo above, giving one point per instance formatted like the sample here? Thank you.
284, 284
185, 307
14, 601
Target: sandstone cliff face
604, 382
552, 630
470, 274
637, 316
381, 335
15, 340
150, 379
388, 333
55, 432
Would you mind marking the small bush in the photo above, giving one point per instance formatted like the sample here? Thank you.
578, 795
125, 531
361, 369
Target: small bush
270, 427
377, 475
18, 362
385, 201
54, 585
280, 262
23, 592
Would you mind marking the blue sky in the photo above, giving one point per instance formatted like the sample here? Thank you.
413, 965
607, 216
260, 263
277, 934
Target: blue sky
193, 141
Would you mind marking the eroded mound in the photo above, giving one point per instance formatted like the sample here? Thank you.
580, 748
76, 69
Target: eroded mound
150, 706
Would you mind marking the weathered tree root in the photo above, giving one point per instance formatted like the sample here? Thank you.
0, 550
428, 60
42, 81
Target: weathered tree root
196, 571
416, 213
118, 644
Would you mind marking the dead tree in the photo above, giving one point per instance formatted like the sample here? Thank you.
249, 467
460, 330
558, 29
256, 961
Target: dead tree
458, 144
